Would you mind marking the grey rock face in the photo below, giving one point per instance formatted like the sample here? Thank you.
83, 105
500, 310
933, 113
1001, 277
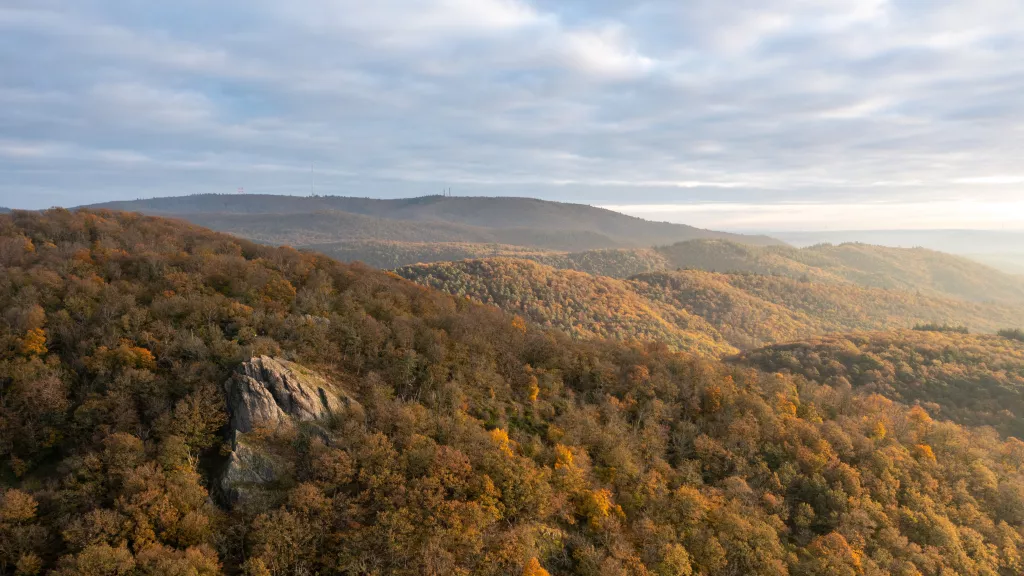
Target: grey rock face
268, 392
250, 469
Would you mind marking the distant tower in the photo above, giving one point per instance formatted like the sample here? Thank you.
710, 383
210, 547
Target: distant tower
240, 190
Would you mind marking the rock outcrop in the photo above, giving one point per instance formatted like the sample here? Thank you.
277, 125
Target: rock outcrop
269, 394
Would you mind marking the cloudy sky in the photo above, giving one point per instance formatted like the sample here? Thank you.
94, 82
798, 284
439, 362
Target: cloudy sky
747, 114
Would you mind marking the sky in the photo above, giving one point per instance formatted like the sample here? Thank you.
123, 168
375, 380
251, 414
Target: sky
748, 114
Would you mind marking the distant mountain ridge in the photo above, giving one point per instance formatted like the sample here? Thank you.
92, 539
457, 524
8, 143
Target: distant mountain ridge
522, 221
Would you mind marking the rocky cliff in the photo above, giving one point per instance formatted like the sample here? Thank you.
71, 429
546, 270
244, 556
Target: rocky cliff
268, 396
269, 392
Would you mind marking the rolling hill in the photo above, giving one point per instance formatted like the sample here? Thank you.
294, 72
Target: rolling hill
427, 434
862, 264
580, 304
753, 309
740, 310
393, 233
520, 221
905, 269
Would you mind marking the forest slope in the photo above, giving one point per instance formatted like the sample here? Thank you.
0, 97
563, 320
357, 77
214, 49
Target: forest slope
386, 255
577, 303
971, 379
755, 309
747, 310
475, 443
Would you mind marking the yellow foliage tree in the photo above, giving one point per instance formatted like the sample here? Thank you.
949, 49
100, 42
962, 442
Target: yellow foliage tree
533, 568
924, 452
33, 343
532, 389
501, 440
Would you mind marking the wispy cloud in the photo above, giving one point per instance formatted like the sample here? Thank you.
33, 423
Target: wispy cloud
751, 103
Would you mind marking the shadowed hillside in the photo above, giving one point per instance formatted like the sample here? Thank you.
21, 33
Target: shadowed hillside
970, 379
616, 263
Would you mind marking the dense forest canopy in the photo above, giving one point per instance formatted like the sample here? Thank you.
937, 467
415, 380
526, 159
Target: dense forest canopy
579, 304
476, 443
388, 255
971, 379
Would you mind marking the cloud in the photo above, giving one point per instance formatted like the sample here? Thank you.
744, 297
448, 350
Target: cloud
747, 102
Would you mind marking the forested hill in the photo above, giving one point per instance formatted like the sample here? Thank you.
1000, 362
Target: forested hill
698, 310
468, 442
862, 264
753, 309
913, 270
971, 379
577, 303
534, 219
